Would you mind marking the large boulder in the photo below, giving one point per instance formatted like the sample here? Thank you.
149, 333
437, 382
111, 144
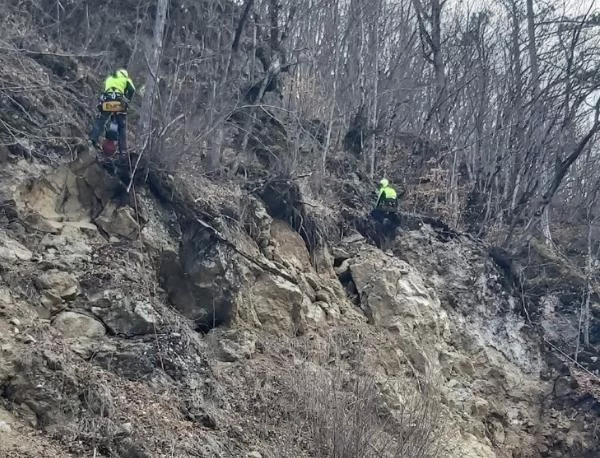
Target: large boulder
95, 181
119, 221
39, 223
393, 295
130, 359
42, 196
73, 324
201, 279
11, 250
235, 345
314, 314
210, 283
126, 316
81, 191
289, 248
276, 303
60, 194
59, 284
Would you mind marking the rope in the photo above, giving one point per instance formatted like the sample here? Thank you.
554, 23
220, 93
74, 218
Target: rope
139, 239
132, 172
576, 363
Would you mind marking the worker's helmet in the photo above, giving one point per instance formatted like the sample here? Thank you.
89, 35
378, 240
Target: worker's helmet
384, 182
122, 72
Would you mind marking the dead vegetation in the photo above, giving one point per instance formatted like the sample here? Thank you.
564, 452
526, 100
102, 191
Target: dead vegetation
326, 405
347, 416
43, 109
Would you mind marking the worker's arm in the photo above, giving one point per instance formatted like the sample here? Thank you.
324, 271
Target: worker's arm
381, 193
129, 89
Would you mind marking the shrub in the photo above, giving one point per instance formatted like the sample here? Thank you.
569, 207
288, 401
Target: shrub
349, 416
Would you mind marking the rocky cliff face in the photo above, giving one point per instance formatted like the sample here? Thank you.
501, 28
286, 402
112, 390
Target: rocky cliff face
148, 324
188, 318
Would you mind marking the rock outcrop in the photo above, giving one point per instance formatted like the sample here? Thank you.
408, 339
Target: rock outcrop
112, 318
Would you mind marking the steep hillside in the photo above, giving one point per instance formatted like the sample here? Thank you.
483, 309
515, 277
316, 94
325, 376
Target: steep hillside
159, 327
251, 311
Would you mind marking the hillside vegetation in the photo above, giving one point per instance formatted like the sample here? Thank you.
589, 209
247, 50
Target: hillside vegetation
223, 292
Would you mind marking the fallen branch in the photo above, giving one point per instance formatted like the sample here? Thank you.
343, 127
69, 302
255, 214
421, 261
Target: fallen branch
57, 54
301, 202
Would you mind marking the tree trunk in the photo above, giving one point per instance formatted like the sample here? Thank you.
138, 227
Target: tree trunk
374, 42
533, 58
517, 130
145, 123
240, 27
537, 119
336, 71
433, 41
588, 273
439, 68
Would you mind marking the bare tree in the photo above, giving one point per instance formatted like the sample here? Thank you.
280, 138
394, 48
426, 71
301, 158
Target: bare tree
429, 18
152, 75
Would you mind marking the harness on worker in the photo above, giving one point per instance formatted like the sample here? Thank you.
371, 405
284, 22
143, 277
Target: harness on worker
388, 205
112, 101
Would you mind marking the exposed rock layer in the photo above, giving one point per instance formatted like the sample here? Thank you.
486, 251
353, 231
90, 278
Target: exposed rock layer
99, 327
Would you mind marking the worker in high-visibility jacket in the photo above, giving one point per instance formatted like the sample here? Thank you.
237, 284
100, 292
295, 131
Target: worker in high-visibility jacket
387, 203
118, 92
387, 196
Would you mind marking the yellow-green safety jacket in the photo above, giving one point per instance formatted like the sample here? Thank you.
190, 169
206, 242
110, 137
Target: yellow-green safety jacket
386, 193
119, 84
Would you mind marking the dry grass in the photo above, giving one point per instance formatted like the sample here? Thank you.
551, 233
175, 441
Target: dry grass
324, 404
348, 416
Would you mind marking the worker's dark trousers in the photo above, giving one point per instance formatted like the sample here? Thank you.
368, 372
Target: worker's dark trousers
100, 124
380, 215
